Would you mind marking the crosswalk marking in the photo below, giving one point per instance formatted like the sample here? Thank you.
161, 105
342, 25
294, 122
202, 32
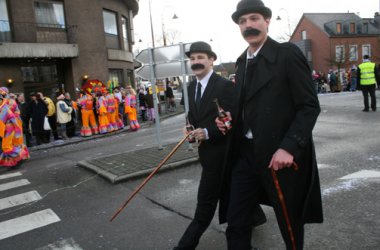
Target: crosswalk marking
26, 223
19, 199
65, 244
14, 184
363, 174
6, 176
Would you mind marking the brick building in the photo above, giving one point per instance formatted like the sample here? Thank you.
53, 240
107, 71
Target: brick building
50, 45
337, 40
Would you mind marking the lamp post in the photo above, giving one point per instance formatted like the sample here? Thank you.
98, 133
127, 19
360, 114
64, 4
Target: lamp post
163, 28
287, 15
163, 25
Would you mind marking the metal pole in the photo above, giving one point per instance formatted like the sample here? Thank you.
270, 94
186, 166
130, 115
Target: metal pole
184, 84
151, 23
154, 93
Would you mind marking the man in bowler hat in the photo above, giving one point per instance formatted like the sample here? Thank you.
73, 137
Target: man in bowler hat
274, 112
202, 112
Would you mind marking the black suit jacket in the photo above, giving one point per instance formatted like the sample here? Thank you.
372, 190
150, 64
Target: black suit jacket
281, 108
212, 152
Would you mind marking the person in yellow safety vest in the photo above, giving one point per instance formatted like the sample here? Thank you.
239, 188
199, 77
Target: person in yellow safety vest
367, 78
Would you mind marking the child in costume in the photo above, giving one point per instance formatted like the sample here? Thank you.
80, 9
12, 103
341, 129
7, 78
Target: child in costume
130, 108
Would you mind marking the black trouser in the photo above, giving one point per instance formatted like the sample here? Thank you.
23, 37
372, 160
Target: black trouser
208, 196
369, 89
247, 185
53, 125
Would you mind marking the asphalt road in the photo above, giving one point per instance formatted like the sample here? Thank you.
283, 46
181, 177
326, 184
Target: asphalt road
71, 206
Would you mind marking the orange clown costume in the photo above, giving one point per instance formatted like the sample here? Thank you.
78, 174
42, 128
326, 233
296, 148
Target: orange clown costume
130, 108
119, 121
111, 112
101, 106
88, 117
18, 139
10, 153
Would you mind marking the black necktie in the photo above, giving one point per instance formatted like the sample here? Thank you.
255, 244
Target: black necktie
198, 96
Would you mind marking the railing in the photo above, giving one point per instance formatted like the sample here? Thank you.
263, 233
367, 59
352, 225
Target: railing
37, 32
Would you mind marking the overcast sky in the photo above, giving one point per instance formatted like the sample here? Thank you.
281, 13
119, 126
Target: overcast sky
202, 20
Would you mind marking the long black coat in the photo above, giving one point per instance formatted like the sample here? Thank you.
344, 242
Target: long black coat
282, 108
37, 111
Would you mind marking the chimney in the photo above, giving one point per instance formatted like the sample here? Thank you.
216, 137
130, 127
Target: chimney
376, 20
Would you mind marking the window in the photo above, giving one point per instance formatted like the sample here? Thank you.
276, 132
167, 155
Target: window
124, 27
365, 28
352, 28
5, 30
35, 74
49, 14
366, 50
110, 24
339, 28
303, 35
116, 76
111, 30
339, 53
353, 53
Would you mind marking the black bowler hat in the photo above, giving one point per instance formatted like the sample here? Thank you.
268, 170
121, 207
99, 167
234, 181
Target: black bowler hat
251, 6
201, 47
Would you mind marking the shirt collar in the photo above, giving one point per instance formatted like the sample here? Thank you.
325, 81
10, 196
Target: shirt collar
205, 79
253, 55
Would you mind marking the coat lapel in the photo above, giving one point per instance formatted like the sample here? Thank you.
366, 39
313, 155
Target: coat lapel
191, 95
207, 94
262, 73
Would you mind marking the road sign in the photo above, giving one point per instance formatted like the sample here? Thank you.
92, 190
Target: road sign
166, 60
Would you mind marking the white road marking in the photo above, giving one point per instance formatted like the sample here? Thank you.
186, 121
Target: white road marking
14, 184
6, 176
26, 223
344, 186
352, 181
19, 199
322, 166
363, 174
66, 244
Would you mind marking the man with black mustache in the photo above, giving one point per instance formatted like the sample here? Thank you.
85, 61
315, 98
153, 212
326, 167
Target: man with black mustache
274, 113
202, 113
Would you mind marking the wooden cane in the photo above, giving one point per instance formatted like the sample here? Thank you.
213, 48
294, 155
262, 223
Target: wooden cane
149, 177
283, 205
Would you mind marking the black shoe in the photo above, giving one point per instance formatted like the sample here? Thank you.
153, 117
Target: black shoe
365, 110
374, 110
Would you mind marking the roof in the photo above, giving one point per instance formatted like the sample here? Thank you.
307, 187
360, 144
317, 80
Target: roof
327, 22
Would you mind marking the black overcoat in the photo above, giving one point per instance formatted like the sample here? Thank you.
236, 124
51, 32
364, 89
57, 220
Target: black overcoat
282, 107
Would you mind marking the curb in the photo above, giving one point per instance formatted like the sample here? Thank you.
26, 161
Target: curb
93, 137
115, 178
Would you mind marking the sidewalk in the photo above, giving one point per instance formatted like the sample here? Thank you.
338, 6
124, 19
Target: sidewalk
134, 164
78, 139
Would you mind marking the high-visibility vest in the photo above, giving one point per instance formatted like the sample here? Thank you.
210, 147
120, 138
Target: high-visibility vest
367, 73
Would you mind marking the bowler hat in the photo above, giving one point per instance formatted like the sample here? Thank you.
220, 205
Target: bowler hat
201, 47
251, 6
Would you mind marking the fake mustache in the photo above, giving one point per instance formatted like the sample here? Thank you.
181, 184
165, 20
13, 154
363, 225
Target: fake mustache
251, 32
197, 66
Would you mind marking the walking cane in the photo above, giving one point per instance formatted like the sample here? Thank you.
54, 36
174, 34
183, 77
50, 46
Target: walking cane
283, 205
149, 177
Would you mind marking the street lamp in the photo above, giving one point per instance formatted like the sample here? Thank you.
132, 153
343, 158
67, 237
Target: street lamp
287, 15
151, 23
163, 27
